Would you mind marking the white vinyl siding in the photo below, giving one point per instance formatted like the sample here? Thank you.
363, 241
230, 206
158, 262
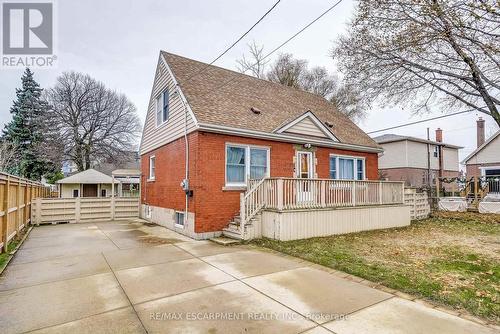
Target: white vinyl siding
155, 135
347, 167
489, 154
244, 161
306, 127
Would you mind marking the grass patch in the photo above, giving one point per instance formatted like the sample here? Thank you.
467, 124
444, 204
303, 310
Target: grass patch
450, 258
10, 247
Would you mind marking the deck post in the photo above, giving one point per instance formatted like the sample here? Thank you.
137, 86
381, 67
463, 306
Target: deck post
322, 195
242, 213
380, 194
353, 193
279, 185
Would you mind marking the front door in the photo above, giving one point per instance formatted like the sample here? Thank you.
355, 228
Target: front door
90, 190
304, 171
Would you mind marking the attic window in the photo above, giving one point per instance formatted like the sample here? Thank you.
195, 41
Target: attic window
328, 124
255, 111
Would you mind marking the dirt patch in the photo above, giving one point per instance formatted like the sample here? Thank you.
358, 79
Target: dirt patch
157, 240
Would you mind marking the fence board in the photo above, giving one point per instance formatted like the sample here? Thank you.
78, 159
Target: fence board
16, 195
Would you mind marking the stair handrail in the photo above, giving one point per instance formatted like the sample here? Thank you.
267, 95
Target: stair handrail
245, 200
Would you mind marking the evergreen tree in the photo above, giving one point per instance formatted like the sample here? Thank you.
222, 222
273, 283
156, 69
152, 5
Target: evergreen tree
25, 131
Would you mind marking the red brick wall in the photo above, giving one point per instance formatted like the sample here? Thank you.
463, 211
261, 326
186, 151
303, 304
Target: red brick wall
213, 206
165, 191
473, 170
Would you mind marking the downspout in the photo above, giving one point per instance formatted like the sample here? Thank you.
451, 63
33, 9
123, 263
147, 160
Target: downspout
186, 143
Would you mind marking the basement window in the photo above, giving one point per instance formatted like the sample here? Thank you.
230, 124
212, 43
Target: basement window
179, 218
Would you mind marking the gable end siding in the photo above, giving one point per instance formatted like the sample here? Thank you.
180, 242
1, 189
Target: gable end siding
306, 127
153, 136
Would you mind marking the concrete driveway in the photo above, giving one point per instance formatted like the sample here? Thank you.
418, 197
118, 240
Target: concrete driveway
130, 277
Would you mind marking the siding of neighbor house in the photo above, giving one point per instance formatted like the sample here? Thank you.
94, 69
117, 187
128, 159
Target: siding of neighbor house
490, 154
410, 154
211, 205
406, 160
67, 189
153, 136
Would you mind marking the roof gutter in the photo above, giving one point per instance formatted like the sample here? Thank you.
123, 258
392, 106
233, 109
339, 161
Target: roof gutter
284, 138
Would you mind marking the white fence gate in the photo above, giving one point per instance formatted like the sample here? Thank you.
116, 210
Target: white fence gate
53, 210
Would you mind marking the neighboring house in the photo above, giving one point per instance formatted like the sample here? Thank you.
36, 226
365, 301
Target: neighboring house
89, 183
485, 159
236, 128
410, 159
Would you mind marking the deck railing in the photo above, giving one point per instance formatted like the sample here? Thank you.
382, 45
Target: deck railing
291, 193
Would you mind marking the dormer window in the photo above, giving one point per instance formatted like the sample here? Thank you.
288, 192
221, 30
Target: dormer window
162, 108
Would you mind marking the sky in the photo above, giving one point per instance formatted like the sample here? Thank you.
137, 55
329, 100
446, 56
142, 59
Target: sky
118, 41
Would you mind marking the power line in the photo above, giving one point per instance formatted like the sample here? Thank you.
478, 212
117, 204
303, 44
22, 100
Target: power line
236, 42
422, 121
280, 46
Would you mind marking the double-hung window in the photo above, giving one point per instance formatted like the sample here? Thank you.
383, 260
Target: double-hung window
243, 162
347, 168
162, 108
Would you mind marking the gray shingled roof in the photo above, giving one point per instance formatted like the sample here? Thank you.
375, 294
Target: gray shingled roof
390, 137
230, 105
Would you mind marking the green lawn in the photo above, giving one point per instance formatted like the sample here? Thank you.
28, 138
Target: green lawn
450, 258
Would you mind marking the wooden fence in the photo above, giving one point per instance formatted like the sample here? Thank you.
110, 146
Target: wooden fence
419, 203
76, 210
16, 197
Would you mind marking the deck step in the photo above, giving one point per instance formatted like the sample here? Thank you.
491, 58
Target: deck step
225, 241
226, 232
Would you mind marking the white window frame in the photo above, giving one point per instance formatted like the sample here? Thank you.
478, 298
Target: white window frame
355, 166
484, 169
159, 104
247, 162
176, 214
152, 177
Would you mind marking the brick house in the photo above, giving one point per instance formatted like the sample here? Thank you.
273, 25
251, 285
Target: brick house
210, 131
485, 159
410, 159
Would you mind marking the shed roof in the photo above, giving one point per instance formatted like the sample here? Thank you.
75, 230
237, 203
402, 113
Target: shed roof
89, 176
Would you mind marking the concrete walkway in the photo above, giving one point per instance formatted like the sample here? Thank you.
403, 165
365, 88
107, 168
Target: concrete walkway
130, 277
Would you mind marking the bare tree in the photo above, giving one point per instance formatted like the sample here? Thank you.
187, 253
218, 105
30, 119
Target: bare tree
7, 155
320, 82
424, 53
92, 122
255, 63
350, 102
288, 71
